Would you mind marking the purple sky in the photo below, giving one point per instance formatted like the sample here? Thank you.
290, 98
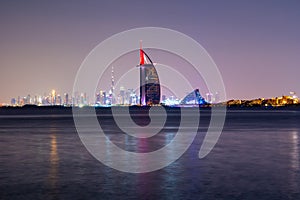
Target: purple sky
255, 44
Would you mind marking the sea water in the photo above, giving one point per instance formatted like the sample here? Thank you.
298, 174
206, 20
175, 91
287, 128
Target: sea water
256, 157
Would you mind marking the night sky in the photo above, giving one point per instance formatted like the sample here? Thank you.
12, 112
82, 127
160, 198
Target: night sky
255, 44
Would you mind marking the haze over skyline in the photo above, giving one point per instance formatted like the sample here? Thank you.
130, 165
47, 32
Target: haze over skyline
255, 44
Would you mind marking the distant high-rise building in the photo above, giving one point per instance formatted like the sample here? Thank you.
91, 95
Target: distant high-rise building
112, 87
35, 100
104, 98
97, 100
149, 81
66, 99
81, 99
28, 99
217, 98
53, 97
209, 97
122, 95
24, 101
85, 99
59, 100
13, 101
163, 98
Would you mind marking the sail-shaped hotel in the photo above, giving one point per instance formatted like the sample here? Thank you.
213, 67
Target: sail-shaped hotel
150, 90
149, 81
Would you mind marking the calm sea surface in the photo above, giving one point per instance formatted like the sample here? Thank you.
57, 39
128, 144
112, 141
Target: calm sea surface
256, 157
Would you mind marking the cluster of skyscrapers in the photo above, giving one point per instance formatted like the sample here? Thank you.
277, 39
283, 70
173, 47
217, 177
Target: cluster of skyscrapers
149, 93
103, 98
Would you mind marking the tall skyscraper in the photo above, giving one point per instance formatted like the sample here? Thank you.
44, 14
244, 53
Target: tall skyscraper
28, 99
13, 101
104, 98
149, 81
66, 99
122, 95
59, 100
53, 97
112, 87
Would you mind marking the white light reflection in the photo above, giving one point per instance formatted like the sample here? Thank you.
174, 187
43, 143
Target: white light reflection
295, 150
294, 156
54, 162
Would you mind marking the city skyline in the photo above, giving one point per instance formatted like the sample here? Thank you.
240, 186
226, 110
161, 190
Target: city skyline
254, 44
129, 96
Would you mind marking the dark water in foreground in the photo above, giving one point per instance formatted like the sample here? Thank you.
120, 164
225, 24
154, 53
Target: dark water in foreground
256, 157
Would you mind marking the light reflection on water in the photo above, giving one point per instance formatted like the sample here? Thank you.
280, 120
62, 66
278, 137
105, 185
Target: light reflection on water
54, 162
257, 157
294, 154
295, 150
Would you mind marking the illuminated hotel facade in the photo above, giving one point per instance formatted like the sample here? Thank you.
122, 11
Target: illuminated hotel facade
149, 81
